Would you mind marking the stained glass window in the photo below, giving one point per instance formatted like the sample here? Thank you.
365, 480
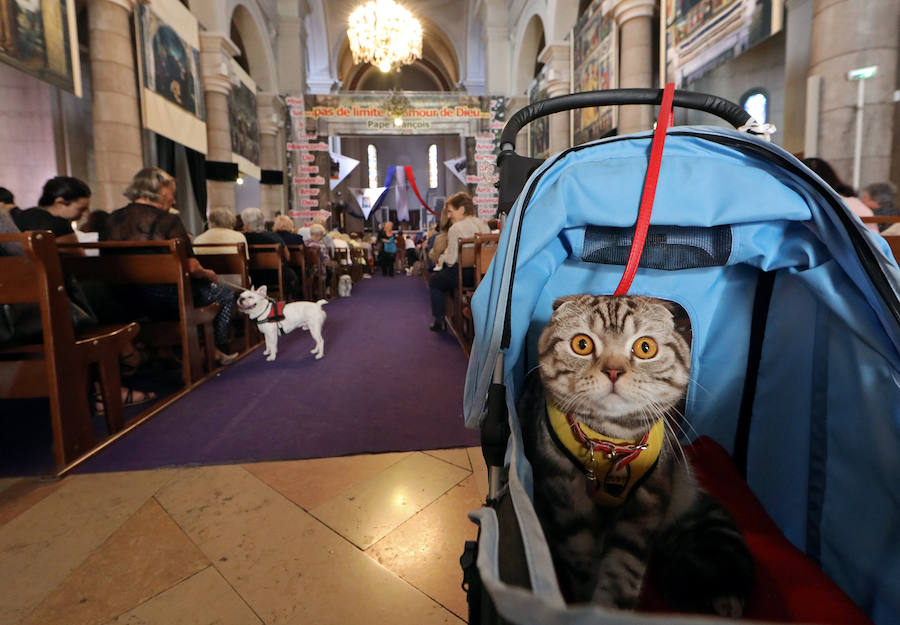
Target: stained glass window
432, 167
373, 165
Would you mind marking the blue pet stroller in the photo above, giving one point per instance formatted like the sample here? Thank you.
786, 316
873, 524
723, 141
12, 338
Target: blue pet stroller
795, 316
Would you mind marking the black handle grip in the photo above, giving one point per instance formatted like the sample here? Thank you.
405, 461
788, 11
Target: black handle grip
729, 111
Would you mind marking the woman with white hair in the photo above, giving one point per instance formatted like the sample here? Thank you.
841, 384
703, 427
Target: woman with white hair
221, 230
147, 218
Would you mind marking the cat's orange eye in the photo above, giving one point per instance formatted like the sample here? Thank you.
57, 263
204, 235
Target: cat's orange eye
582, 344
645, 348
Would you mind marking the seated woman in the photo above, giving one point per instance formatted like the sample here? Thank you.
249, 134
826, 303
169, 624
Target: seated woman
220, 230
464, 223
63, 201
255, 231
147, 218
286, 231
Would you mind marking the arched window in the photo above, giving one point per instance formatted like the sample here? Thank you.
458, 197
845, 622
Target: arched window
756, 102
432, 167
373, 165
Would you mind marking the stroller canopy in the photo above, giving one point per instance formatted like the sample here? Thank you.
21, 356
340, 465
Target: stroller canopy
771, 267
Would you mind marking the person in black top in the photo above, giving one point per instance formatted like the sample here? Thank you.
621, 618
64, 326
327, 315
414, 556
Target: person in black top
284, 229
63, 200
254, 231
147, 218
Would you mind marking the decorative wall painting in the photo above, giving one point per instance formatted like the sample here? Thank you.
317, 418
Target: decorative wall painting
539, 129
702, 34
40, 37
168, 44
594, 57
244, 121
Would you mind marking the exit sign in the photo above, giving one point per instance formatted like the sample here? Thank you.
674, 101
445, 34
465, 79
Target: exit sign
862, 73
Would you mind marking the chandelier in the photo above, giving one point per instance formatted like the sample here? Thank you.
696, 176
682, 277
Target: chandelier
385, 34
396, 106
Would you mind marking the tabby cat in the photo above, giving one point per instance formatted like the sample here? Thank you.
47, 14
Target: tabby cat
611, 484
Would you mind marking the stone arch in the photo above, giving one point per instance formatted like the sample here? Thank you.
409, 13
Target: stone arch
528, 47
256, 41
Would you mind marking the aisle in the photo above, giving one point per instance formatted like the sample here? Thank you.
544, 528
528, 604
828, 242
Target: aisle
386, 383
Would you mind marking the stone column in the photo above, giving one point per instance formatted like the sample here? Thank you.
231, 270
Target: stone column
847, 35
634, 19
556, 58
271, 196
116, 114
216, 51
497, 46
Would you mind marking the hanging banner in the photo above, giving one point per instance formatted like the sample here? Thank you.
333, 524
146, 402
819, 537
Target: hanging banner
401, 199
244, 122
168, 47
700, 36
458, 167
41, 39
366, 198
345, 165
595, 68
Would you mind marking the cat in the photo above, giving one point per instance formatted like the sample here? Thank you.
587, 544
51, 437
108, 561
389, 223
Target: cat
614, 366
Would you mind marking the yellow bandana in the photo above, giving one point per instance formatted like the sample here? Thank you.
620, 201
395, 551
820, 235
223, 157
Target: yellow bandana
613, 466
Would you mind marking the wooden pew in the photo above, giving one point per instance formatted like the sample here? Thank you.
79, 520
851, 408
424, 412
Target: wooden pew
230, 259
358, 264
58, 367
457, 303
485, 248
268, 258
297, 254
315, 274
127, 263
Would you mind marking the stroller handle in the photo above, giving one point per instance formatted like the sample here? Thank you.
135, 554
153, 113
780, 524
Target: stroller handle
729, 111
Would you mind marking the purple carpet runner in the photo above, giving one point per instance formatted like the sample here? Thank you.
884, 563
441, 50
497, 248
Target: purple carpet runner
386, 383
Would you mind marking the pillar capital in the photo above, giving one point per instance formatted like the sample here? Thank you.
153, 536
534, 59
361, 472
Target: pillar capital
270, 112
556, 57
216, 51
624, 10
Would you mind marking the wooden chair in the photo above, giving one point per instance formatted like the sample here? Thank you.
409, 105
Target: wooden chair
315, 274
230, 259
358, 263
58, 367
457, 304
265, 260
126, 263
485, 248
297, 260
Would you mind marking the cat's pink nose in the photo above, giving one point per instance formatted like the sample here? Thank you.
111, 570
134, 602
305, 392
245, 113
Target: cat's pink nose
613, 374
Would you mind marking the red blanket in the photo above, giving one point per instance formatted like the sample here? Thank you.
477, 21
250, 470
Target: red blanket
790, 587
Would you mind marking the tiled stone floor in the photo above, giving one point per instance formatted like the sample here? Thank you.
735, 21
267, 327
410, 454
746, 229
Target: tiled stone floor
360, 539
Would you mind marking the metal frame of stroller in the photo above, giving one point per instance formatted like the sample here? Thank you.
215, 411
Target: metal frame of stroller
490, 400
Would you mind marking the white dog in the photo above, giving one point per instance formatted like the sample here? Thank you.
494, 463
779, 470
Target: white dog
345, 284
273, 320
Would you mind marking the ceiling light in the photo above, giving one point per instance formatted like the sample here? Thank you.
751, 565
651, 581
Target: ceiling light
385, 34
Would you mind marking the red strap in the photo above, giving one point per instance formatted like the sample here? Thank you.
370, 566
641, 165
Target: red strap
412, 182
643, 220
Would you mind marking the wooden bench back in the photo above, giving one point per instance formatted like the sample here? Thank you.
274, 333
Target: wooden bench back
227, 259
62, 375
129, 263
485, 248
268, 258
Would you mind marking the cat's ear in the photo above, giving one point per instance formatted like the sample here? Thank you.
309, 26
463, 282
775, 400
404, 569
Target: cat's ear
564, 300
